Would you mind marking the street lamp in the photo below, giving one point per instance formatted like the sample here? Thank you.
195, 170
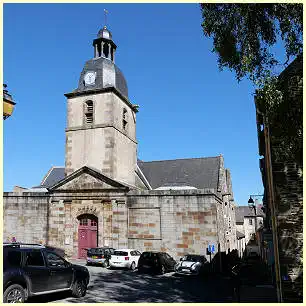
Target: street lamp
8, 103
252, 205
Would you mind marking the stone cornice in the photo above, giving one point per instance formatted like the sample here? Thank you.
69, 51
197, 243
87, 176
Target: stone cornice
102, 90
94, 126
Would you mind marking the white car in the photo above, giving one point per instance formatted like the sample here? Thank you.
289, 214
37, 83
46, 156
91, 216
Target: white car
192, 265
125, 258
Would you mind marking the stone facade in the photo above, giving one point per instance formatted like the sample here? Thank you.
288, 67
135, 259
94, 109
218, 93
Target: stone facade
110, 147
103, 180
25, 216
174, 221
245, 225
285, 136
177, 222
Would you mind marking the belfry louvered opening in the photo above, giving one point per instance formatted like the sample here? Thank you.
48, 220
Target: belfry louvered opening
89, 111
124, 119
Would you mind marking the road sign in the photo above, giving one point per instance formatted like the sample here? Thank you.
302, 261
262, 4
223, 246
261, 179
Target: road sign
211, 248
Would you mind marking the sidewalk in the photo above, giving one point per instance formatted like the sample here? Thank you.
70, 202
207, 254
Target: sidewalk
257, 286
258, 294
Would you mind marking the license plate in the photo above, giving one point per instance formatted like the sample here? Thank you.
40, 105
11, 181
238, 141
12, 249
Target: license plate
94, 257
145, 266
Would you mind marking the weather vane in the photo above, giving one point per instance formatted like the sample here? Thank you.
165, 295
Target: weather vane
105, 16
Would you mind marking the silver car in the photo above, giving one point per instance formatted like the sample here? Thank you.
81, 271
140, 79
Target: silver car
99, 256
192, 265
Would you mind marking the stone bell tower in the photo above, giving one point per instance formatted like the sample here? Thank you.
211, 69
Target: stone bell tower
101, 121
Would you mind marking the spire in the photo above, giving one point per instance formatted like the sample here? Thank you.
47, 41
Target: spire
104, 45
105, 18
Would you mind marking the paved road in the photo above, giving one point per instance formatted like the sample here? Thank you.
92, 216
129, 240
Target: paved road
128, 286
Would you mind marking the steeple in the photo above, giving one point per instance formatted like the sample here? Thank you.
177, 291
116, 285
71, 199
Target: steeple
104, 45
101, 123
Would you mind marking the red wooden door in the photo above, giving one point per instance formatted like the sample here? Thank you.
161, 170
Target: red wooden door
87, 234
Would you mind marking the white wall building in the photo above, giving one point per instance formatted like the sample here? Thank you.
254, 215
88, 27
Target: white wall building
246, 226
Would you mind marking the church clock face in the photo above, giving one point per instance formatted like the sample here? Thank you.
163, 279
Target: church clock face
90, 78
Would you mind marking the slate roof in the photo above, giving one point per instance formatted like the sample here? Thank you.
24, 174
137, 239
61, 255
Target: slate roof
95, 173
196, 172
107, 75
245, 211
54, 175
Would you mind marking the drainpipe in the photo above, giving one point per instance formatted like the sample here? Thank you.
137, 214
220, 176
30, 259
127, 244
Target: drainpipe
272, 207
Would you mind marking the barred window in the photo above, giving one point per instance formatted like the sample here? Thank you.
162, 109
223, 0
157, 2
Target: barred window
83, 221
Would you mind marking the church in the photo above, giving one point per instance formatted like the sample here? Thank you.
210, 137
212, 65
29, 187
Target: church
106, 196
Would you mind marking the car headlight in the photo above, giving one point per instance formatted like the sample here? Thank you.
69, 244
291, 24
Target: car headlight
195, 266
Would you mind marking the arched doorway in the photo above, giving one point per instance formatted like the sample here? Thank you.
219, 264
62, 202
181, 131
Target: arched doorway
87, 234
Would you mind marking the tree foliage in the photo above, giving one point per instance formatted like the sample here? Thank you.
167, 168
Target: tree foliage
243, 34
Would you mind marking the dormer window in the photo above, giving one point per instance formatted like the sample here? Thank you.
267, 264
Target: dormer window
124, 119
88, 111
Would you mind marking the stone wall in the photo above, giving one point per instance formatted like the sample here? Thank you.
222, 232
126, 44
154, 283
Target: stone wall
109, 207
25, 217
288, 181
177, 222
286, 148
109, 147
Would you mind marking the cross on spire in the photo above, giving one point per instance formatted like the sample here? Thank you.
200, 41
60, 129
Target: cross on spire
105, 17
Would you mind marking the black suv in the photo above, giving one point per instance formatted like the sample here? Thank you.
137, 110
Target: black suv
158, 262
30, 269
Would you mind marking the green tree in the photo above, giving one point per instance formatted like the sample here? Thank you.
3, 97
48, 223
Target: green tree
243, 35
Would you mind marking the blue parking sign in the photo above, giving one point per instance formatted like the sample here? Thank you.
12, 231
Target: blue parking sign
211, 248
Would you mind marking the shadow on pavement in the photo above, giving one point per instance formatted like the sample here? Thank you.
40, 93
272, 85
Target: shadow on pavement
128, 286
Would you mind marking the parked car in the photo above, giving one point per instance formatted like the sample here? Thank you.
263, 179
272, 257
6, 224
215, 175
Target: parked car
252, 256
192, 265
30, 269
125, 258
156, 262
58, 251
99, 256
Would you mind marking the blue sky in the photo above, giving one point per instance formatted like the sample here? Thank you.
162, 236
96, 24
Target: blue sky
188, 108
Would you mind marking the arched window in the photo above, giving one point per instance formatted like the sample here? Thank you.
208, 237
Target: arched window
88, 111
105, 50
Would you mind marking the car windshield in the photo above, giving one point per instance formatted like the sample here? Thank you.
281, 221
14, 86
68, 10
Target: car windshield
97, 251
195, 258
121, 253
148, 255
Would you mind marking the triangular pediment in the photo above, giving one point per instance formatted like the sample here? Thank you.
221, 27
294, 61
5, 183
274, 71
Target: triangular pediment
87, 178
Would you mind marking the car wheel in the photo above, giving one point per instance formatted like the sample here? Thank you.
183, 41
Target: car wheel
88, 264
14, 294
162, 269
79, 288
133, 266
